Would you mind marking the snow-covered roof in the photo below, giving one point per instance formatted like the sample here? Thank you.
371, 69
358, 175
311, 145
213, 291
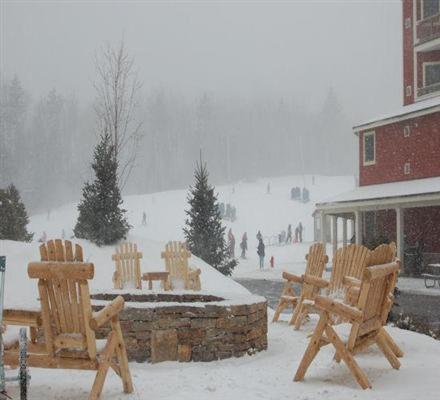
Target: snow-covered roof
419, 108
393, 190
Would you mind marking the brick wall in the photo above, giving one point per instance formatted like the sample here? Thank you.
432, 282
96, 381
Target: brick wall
421, 149
408, 51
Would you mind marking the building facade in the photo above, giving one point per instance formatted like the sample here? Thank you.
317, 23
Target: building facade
398, 198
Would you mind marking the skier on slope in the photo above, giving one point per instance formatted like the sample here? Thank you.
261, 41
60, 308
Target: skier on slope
261, 252
231, 244
243, 245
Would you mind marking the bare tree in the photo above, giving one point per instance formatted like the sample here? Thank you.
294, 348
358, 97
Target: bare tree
117, 89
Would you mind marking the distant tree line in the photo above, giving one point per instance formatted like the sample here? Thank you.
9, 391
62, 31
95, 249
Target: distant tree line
47, 142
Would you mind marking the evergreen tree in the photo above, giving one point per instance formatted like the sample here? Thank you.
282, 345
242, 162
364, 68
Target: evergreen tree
101, 218
13, 216
204, 232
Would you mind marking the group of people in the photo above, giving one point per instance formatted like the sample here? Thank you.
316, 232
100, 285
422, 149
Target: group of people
227, 212
231, 245
296, 194
287, 238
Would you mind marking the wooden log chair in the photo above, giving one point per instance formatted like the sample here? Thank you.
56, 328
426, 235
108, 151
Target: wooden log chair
176, 258
128, 267
349, 261
316, 260
59, 250
365, 319
69, 326
383, 254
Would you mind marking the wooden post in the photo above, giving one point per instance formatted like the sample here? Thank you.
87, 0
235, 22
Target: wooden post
323, 227
352, 228
344, 232
400, 229
358, 226
335, 233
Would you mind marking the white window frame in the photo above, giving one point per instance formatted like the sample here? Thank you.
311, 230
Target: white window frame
407, 168
423, 14
427, 63
406, 131
371, 162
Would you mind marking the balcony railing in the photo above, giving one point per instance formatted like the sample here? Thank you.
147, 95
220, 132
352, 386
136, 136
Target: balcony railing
428, 29
428, 89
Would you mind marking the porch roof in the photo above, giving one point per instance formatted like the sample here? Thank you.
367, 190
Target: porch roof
405, 194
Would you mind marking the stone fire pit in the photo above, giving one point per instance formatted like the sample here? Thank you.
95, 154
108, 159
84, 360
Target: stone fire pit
189, 327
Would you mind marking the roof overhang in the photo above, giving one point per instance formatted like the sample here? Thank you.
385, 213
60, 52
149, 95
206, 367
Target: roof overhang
412, 111
406, 194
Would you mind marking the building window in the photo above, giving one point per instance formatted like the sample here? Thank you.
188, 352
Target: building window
431, 73
406, 131
407, 23
407, 168
430, 8
369, 148
408, 91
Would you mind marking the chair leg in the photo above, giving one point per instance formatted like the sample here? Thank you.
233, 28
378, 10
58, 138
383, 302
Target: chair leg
281, 306
104, 365
312, 349
121, 353
387, 351
348, 358
391, 343
297, 311
302, 313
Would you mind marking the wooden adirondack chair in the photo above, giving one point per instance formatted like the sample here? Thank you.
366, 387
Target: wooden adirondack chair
69, 325
176, 263
57, 250
316, 260
383, 254
128, 267
349, 261
365, 318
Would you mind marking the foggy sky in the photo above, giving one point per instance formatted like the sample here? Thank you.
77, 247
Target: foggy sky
296, 49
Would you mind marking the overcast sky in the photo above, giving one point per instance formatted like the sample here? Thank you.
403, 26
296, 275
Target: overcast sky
296, 49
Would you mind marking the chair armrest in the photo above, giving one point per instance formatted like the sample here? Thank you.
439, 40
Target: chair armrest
194, 271
341, 309
351, 281
315, 281
101, 317
292, 277
352, 296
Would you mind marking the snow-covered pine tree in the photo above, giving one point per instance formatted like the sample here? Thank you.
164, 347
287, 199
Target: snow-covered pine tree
101, 218
13, 216
204, 232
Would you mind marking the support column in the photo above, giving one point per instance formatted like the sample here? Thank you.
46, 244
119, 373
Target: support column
400, 238
358, 226
335, 233
344, 232
323, 228
352, 228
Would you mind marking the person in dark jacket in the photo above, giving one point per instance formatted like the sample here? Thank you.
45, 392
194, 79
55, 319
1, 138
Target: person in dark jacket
243, 245
261, 252
289, 234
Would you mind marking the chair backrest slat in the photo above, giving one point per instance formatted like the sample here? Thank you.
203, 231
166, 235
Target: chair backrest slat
348, 261
65, 303
57, 250
316, 260
374, 292
128, 266
176, 260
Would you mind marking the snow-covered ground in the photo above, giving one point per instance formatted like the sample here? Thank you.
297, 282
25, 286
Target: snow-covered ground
256, 210
267, 375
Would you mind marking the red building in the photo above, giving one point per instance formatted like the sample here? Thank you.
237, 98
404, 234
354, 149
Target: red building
398, 197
